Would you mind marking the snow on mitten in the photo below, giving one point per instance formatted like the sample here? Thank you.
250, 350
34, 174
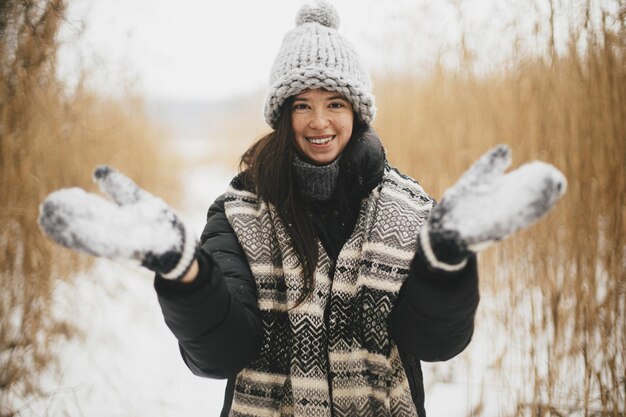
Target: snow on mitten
486, 205
136, 226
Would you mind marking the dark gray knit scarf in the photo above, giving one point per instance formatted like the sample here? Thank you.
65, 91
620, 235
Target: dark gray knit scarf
316, 182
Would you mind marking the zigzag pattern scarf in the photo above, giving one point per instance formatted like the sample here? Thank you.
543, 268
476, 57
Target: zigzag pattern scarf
332, 355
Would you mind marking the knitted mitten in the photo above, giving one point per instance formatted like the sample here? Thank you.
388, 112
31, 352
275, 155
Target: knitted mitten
487, 205
136, 226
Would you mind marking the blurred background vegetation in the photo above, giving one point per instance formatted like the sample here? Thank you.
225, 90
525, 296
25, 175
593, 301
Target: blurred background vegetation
559, 288
51, 139
554, 295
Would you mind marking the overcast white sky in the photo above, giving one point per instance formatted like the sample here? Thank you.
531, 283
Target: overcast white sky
209, 50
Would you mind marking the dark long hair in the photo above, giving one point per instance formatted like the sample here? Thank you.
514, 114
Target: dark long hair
267, 165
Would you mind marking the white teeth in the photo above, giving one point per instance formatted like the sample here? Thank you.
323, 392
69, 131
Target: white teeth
320, 141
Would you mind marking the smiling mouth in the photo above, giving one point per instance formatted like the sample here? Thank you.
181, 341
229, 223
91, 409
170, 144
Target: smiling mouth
320, 140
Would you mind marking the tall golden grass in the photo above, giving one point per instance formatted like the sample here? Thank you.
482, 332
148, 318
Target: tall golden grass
49, 140
559, 287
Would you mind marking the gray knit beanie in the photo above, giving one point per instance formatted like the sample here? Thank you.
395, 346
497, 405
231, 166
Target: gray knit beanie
314, 55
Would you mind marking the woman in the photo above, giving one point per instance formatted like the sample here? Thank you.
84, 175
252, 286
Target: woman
323, 276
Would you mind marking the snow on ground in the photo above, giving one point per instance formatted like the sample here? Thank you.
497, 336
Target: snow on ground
467, 385
127, 363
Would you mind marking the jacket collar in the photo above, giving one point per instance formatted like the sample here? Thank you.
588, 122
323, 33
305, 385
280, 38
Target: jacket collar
363, 164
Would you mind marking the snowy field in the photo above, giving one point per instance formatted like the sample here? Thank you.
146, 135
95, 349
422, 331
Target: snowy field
127, 362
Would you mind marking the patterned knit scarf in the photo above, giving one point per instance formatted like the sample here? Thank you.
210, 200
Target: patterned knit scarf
332, 355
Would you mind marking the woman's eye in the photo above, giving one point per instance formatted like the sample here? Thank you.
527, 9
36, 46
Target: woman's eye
337, 105
299, 106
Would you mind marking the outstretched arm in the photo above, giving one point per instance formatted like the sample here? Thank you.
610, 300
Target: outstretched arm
214, 316
434, 316
433, 319
487, 205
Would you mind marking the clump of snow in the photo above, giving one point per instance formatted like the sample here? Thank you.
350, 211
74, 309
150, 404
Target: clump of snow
119, 187
94, 225
486, 204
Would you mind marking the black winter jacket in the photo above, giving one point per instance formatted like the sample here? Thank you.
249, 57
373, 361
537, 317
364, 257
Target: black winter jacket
216, 318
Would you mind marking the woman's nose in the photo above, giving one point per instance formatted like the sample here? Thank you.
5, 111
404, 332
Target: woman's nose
319, 120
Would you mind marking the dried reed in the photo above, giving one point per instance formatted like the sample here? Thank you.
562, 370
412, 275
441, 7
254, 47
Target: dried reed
50, 140
559, 287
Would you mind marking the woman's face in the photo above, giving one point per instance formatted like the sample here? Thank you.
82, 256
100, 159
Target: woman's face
322, 124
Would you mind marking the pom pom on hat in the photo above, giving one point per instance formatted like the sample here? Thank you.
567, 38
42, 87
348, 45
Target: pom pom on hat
323, 13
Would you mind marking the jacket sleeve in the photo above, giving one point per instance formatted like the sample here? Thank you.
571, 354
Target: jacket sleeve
215, 318
433, 319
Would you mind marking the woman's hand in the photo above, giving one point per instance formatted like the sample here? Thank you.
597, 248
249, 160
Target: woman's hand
135, 226
486, 205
